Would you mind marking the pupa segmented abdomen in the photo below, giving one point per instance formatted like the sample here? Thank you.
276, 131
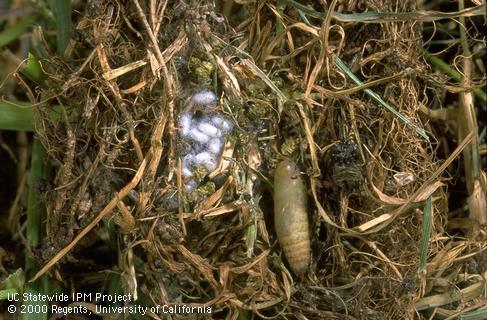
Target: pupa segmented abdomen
290, 216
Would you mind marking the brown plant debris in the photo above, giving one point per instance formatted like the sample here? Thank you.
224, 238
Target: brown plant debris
118, 153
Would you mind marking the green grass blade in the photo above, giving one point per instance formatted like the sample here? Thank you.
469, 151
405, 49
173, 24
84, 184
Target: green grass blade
35, 209
425, 234
39, 287
482, 134
378, 99
114, 284
479, 314
15, 280
376, 17
16, 116
33, 70
13, 284
4, 294
13, 32
62, 10
21, 115
454, 74
35, 215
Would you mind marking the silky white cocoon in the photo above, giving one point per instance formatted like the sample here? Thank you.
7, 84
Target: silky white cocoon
209, 129
186, 172
222, 123
190, 185
198, 136
185, 124
188, 160
186, 165
215, 145
204, 98
205, 159
204, 134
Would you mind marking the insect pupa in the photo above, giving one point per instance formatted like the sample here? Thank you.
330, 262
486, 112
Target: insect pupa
291, 217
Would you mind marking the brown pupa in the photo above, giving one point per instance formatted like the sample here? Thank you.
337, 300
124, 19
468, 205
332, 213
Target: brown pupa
290, 216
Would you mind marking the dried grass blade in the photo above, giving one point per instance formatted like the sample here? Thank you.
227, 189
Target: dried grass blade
428, 191
467, 121
108, 208
389, 217
229, 207
477, 201
214, 199
445, 258
115, 73
467, 294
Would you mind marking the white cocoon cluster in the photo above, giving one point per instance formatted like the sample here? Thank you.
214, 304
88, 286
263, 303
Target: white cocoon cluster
184, 124
190, 185
215, 145
223, 124
186, 165
186, 172
198, 136
209, 129
205, 135
204, 98
205, 159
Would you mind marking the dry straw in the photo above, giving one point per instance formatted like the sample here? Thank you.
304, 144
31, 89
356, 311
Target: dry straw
216, 245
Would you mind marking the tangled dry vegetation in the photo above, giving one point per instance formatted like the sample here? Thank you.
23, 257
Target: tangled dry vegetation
368, 174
